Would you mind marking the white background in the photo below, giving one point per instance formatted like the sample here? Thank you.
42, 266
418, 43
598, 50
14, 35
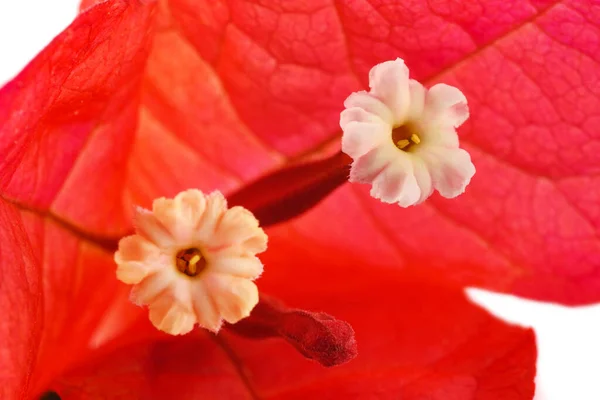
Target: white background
569, 353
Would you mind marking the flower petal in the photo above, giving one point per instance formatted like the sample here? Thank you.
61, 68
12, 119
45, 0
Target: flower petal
151, 287
361, 137
171, 317
216, 205
389, 83
397, 183
447, 105
357, 114
132, 272
136, 258
239, 228
149, 227
451, 170
364, 169
181, 214
370, 104
437, 135
423, 178
417, 100
205, 307
242, 266
234, 297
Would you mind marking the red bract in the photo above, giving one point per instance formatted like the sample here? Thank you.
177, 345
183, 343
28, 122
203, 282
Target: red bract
417, 338
213, 94
141, 99
416, 341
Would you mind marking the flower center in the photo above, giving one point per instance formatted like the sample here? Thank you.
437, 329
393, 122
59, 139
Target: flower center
190, 261
405, 137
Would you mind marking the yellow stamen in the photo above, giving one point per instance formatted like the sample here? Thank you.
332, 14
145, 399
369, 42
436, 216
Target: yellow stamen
415, 138
402, 143
192, 264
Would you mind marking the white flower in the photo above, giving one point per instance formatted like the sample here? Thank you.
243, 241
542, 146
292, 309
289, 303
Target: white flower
193, 261
402, 137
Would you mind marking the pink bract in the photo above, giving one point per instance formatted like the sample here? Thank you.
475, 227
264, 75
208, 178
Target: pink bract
143, 99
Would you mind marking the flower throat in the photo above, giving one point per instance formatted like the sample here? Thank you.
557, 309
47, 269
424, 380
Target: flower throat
405, 137
190, 262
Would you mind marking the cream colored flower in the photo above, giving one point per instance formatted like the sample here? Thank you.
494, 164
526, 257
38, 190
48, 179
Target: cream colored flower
403, 137
192, 260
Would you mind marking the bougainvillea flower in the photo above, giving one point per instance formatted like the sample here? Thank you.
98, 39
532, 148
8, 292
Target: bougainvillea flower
193, 261
402, 137
164, 96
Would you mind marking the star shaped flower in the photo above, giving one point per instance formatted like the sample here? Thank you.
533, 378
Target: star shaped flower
193, 261
403, 137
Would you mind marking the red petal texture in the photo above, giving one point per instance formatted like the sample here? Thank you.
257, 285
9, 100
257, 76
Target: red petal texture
72, 113
21, 301
79, 285
212, 94
55, 289
416, 341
